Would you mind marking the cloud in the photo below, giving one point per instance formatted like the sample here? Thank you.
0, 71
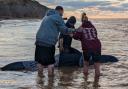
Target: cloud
125, 5
110, 5
94, 12
113, 8
83, 4
51, 1
121, 0
94, 8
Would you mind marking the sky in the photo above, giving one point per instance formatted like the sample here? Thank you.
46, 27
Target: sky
93, 8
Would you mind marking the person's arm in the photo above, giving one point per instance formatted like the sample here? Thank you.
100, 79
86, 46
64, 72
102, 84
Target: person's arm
95, 29
61, 25
78, 34
61, 48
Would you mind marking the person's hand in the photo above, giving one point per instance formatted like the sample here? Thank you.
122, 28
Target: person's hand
71, 35
71, 30
61, 48
80, 28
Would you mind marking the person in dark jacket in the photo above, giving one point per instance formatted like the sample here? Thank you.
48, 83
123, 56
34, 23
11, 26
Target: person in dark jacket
67, 53
65, 40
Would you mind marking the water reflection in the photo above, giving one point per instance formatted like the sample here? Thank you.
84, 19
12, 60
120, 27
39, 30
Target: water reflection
65, 78
49, 85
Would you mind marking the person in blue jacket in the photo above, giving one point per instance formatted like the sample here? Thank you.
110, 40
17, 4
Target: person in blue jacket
47, 37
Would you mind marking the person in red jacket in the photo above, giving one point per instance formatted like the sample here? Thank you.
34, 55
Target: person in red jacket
91, 46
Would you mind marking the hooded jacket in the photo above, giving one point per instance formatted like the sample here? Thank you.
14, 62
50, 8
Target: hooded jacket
52, 24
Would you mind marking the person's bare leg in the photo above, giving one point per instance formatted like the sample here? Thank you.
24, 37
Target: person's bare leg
85, 70
51, 70
40, 70
40, 74
97, 74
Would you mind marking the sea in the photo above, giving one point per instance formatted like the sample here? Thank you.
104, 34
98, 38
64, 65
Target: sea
17, 39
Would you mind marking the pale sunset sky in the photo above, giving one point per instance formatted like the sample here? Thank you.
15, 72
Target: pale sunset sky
93, 8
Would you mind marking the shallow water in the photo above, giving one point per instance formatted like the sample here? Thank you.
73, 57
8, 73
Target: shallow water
17, 39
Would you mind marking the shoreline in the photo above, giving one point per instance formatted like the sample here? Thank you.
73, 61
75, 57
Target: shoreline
21, 19
27, 18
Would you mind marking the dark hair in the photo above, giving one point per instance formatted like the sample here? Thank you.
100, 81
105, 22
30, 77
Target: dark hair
82, 17
72, 20
59, 8
83, 13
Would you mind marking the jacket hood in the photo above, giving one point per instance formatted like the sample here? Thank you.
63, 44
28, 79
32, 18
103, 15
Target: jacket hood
51, 12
